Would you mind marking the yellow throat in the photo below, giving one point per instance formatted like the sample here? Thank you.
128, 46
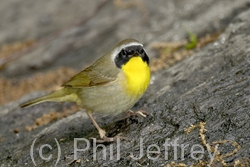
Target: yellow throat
137, 75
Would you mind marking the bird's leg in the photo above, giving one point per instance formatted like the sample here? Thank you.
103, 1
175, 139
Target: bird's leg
102, 132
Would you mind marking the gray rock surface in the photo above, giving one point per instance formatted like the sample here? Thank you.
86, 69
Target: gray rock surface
211, 86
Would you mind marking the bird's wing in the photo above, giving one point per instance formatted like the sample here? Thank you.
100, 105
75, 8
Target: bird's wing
98, 74
87, 78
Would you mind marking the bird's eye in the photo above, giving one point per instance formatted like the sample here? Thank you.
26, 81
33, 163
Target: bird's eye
123, 53
141, 51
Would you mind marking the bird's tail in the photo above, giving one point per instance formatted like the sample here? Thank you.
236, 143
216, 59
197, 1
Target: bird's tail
57, 96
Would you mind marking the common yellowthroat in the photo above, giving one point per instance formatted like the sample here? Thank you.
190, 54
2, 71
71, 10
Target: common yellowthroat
113, 84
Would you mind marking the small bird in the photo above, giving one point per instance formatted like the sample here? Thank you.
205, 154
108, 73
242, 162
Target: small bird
113, 84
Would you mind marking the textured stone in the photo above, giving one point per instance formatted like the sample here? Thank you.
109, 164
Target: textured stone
211, 86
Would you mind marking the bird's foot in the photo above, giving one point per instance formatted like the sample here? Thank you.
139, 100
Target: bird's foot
106, 139
139, 113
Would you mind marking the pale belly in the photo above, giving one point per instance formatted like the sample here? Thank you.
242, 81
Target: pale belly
108, 99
